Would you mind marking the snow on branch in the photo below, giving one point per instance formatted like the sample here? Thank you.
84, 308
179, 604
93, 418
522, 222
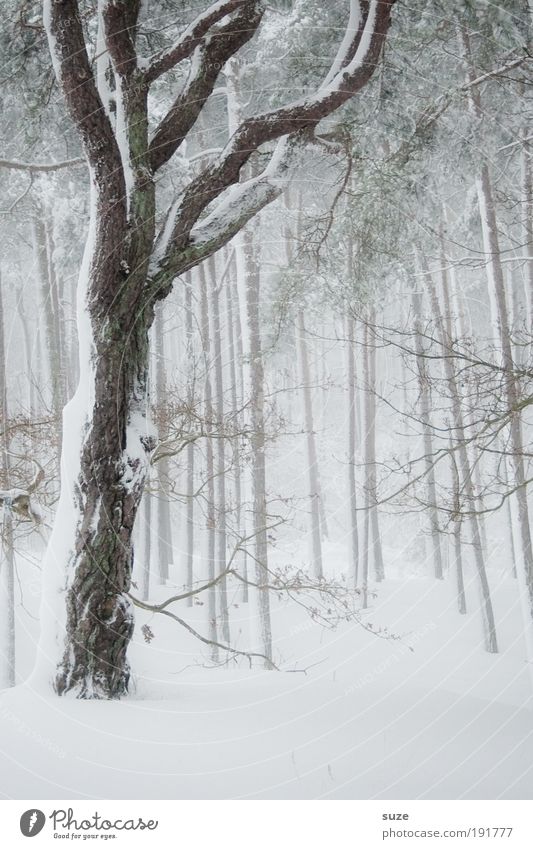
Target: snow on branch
187, 43
242, 201
209, 57
40, 167
297, 118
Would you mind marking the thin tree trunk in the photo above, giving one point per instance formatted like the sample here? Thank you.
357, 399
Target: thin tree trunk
57, 311
28, 351
487, 613
49, 326
210, 465
189, 552
425, 408
351, 453
370, 448
258, 440
220, 453
368, 498
457, 535
164, 526
527, 217
312, 459
235, 366
497, 284
147, 540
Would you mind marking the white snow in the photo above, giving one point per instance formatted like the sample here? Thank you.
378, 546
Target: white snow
369, 719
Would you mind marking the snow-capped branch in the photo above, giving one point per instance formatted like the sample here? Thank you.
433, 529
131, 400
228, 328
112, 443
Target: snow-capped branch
236, 207
40, 167
302, 116
244, 200
187, 43
497, 72
210, 55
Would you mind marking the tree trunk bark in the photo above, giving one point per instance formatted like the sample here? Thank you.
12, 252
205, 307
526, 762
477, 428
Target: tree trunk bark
105, 454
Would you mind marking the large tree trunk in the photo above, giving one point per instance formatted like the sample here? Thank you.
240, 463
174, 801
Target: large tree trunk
124, 271
106, 449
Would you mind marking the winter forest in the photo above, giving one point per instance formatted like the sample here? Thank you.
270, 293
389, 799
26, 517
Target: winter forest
266, 386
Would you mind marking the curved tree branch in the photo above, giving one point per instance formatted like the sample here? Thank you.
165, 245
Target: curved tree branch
258, 130
186, 44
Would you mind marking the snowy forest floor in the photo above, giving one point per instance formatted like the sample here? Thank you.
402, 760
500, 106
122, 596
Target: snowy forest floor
369, 719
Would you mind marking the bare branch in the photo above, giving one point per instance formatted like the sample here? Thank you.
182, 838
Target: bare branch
249, 654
